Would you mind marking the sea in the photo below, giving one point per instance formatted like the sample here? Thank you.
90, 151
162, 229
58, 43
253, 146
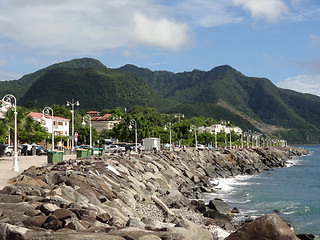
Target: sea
292, 192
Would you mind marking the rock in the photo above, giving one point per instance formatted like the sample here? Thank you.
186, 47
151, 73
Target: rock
201, 233
235, 210
306, 236
52, 222
219, 206
179, 233
8, 231
133, 222
48, 208
219, 233
36, 221
269, 227
104, 218
5, 198
104, 197
63, 213
216, 215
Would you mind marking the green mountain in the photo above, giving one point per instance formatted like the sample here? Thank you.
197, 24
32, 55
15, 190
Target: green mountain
270, 109
19, 87
95, 88
221, 93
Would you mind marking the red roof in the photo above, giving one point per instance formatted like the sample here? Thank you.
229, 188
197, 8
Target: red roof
93, 112
105, 117
39, 115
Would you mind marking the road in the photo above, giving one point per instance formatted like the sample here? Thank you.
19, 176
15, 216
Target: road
24, 162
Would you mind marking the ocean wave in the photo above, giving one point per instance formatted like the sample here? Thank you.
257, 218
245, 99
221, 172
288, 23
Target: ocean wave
227, 185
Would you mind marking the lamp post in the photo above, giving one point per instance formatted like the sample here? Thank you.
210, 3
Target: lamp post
134, 124
46, 112
9, 140
85, 118
168, 124
7, 100
241, 140
72, 111
215, 140
193, 128
179, 116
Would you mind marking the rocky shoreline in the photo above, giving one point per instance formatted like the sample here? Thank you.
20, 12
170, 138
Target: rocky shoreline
152, 195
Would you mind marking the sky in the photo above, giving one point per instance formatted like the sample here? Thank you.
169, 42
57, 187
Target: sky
274, 39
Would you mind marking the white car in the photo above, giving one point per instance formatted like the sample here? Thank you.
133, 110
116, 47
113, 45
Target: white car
8, 151
200, 147
112, 148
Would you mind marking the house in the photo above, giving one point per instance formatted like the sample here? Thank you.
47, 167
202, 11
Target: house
220, 128
106, 121
60, 125
4, 108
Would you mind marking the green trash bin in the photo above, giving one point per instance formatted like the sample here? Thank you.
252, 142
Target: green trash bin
97, 151
101, 153
82, 153
54, 157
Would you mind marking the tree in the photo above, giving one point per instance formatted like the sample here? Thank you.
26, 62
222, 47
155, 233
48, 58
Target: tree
28, 129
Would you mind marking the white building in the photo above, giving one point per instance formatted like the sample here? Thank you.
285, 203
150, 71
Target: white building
105, 122
60, 125
220, 128
4, 108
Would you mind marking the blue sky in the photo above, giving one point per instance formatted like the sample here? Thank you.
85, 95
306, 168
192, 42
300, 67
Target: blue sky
276, 39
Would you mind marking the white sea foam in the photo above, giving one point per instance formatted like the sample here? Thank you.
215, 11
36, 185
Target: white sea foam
227, 185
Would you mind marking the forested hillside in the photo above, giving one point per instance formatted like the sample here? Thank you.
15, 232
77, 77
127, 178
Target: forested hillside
222, 93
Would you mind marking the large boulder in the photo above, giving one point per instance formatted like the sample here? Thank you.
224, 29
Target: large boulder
270, 227
220, 206
201, 233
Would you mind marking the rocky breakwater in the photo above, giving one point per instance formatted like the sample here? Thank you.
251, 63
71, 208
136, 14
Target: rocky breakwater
146, 196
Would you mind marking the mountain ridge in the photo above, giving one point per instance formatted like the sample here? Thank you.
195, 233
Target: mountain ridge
221, 93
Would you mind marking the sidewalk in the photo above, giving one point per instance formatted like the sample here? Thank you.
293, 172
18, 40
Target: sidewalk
24, 162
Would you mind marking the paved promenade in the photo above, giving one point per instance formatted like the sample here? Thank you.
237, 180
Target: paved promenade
24, 162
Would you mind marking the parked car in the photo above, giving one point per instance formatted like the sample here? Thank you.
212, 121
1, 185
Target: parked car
40, 150
200, 147
85, 147
139, 146
124, 147
8, 151
28, 149
112, 148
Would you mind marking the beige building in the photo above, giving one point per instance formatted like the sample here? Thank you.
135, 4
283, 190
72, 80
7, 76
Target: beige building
106, 121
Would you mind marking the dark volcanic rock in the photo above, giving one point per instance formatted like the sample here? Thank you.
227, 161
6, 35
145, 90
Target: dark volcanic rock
269, 227
129, 196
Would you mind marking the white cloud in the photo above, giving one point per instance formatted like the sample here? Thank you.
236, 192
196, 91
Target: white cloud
89, 26
207, 13
159, 32
302, 83
270, 10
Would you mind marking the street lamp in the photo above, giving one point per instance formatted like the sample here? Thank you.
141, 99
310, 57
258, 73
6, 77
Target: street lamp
168, 124
215, 140
46, 112
85, 118
193, 128
7, 100
134, 123
72, 111
179, 116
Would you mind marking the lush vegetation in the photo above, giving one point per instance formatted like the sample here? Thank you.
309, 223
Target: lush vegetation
247, 101
150, 123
